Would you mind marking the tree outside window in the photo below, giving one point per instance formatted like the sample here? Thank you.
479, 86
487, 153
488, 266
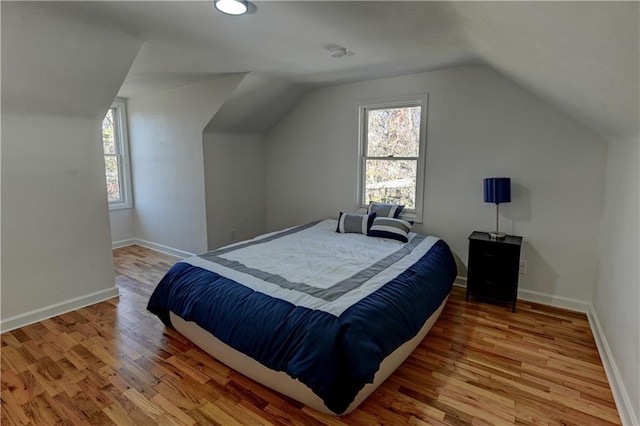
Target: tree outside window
392, 154
116, 165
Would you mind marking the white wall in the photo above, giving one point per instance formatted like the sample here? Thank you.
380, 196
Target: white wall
480, 124
165, 140
55, 224
234, 186
59, 77
121, 222
617, 291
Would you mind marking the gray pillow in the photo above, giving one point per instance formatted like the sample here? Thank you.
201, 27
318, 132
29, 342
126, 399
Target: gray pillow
355, 223
385, 210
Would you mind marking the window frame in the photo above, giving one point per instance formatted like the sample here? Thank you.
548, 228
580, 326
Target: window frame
420, 100
122, 153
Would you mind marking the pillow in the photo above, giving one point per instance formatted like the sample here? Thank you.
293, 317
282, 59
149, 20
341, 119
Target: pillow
385, 210
355, 223
393, 229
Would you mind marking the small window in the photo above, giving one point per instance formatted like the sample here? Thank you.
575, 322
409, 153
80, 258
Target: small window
116, 157
392, 155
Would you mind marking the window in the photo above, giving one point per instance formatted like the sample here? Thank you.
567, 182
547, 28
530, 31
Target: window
392, 154
116, 156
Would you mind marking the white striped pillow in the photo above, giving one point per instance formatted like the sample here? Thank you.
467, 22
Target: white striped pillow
394, 229
355, 223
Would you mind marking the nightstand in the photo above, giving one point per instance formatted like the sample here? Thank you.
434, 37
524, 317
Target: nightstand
493, 267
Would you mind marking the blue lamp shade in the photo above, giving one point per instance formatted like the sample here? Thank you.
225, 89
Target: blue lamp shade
497, 190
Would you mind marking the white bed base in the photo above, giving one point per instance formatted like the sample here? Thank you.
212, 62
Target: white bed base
280, 381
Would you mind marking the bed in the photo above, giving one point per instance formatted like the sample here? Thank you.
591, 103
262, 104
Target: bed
320, 316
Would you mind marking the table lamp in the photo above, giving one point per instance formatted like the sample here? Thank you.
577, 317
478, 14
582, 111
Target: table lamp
497, 190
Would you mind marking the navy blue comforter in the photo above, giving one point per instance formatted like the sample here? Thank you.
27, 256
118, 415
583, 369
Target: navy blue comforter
334, 355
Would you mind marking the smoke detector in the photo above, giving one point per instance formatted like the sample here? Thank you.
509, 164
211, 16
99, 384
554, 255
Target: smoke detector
339, 51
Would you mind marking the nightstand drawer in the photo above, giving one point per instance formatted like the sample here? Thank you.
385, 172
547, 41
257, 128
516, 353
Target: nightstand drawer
495, 290
494, 252
497, 265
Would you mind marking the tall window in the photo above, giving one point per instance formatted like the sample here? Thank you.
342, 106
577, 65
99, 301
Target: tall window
392, 154
116, 156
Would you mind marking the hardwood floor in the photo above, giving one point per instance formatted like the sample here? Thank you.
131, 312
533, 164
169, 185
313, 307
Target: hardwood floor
114, 363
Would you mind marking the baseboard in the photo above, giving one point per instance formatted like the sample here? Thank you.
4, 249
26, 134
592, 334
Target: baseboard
123, 243
41, 314
460, 281
620, 395
553, 300
37, 315
163, 249
542, 298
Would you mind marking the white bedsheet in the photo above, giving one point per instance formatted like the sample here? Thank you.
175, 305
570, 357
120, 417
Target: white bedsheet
319, 258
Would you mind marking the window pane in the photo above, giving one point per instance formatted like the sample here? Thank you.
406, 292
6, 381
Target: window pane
393, 132
113, 178
391, 181
108, 133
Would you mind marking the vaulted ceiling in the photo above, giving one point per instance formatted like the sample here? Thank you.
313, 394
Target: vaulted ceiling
582, 57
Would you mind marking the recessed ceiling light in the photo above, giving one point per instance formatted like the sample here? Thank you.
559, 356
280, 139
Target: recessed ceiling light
232, 7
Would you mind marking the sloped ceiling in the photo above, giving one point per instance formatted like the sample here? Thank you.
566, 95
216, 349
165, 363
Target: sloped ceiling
80, 80
581, 56
256, 104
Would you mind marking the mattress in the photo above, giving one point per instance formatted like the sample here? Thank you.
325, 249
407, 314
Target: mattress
326, 309
279, 380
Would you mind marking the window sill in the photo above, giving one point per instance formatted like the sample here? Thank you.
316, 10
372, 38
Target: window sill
120, 206
412, 215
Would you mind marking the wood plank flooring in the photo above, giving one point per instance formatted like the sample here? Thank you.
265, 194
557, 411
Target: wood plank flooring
114, 363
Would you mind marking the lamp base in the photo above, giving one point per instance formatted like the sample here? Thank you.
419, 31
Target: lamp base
497, 235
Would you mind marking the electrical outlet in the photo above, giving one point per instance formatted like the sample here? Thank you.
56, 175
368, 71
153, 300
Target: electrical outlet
232, 235
523, 267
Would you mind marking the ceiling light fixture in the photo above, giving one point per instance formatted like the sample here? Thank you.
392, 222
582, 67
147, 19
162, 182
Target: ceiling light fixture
339, 52
232, 7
